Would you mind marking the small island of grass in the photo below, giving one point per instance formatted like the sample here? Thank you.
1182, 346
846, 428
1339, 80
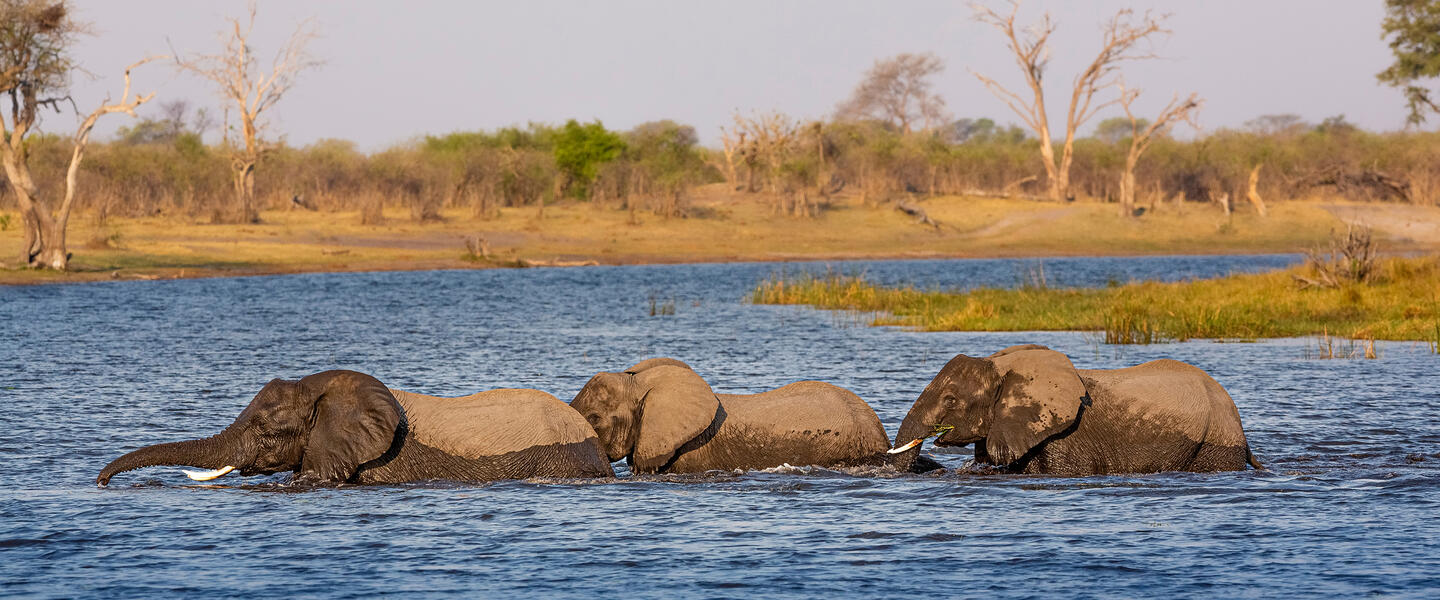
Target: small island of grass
1399, 301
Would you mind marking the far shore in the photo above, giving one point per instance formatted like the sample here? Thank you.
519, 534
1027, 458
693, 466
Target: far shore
722, 228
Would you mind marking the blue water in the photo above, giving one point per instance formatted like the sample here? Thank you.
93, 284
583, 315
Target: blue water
1349, 507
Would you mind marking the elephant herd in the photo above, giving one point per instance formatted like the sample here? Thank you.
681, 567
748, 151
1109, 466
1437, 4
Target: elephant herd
1026, 409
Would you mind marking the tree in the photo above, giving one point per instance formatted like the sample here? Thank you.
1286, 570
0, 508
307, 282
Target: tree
896, 90
1117, 129
581, 149
1121, 39
665, 162
1285, 125
1336, 125
965, 130
35, 37
1143, 132
251, 92
175, 122
1413, 27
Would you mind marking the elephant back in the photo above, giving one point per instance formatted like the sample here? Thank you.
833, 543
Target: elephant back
494, 422
1171, 395
811, 409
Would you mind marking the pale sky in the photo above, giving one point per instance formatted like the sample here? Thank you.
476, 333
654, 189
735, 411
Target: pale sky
397, 70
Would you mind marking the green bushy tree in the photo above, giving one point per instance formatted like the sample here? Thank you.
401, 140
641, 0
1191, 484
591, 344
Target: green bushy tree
580, 150
1413, 27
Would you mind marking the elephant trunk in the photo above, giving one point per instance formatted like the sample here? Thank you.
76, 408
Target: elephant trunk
209, 453
911, 429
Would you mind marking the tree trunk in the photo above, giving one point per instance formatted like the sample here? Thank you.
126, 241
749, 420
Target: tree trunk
52, 254
1062, 175
1254, 193
44, 246
31, 223
243, 180
1047, 155
1127, 186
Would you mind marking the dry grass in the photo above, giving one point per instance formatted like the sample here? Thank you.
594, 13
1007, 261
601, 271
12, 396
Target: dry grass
725, 227
1401, 303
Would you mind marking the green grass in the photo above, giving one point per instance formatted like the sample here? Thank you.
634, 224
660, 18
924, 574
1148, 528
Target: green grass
1401, 303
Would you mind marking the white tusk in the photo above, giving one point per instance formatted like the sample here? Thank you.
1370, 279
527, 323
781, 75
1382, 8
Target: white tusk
908, 446
207, 475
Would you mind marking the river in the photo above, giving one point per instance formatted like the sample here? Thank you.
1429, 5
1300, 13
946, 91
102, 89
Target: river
1349, 505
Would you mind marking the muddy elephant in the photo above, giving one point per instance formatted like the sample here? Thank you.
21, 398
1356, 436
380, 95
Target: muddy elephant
347, 427
1028, 409
662, 417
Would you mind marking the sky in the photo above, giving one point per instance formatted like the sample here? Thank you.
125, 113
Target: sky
396, 71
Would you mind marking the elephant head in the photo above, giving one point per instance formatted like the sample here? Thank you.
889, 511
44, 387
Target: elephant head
647, 415
1012, 401
323, 426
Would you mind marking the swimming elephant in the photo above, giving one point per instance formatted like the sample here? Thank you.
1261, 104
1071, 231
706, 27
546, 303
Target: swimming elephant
347, 427
1028, 409
662, 417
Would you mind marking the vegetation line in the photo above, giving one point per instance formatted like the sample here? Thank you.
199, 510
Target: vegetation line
1394, 305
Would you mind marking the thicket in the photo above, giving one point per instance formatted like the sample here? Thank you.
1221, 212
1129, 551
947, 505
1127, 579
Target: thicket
163, 167
976, 157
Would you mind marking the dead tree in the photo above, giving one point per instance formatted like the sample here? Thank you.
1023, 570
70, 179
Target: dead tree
920, 215
38, 36
1253, 194
772, 138
1367, 183
250, 92
733, 141
1141, 135
897, 90
1350, 259
1120, 42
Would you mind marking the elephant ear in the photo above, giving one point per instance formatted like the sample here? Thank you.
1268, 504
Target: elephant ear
356, 421
1040, 395
678, 406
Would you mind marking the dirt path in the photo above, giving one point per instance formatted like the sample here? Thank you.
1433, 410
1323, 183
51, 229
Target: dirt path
1402, 223
1010, 221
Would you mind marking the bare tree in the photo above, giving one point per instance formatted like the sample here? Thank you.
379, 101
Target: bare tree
1142, 134
1285, 125
34, 39
251, 92
733, 141
768, 143
897, 90
1121, 40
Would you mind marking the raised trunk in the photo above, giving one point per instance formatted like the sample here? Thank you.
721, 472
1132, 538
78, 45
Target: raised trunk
209, 453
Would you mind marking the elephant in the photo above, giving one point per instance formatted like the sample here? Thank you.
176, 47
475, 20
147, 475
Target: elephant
1027, 409
662, 417
347, 427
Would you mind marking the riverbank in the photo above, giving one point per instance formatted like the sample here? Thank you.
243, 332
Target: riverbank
722, 227
1401, 303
